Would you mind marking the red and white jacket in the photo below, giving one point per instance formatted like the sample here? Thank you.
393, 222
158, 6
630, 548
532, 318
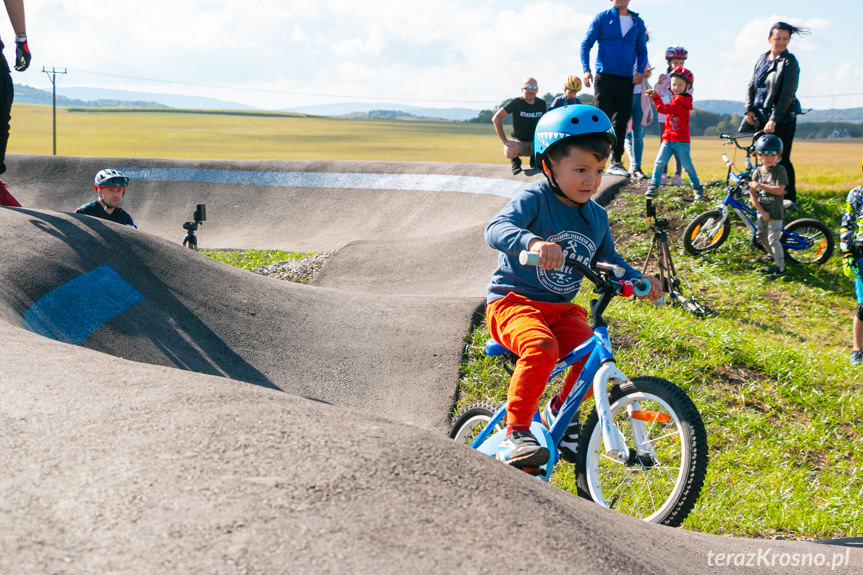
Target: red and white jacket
677, 117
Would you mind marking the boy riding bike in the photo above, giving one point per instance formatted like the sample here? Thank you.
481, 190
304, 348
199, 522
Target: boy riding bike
529, 309
851, 246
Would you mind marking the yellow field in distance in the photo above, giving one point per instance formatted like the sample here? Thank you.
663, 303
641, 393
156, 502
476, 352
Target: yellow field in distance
820, 164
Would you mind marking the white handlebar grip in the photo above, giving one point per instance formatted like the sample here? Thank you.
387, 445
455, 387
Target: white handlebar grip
527, 258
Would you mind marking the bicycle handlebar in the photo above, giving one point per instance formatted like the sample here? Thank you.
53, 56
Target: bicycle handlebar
638, 287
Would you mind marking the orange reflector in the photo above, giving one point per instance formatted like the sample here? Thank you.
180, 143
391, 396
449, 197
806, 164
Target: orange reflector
651, 416
695, 233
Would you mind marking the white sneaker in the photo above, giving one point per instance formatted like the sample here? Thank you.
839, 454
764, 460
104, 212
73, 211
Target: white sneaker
617, 169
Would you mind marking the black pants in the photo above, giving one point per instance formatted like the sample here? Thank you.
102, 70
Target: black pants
613, 95
6, 96
785, 132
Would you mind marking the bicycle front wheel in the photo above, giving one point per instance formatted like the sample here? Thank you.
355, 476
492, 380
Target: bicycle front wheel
472, 420
662, 478
705, 232
807, 241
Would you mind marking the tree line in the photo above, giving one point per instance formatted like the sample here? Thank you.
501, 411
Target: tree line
704, 123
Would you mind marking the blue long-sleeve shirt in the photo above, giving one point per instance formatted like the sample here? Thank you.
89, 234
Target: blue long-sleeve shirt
617, 53
536, 213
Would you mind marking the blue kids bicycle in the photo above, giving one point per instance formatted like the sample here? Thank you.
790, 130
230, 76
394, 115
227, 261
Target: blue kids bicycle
805, 241
643, 448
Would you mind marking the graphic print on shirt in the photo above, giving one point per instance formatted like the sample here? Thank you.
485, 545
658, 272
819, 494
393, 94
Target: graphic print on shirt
576, 247
673, 123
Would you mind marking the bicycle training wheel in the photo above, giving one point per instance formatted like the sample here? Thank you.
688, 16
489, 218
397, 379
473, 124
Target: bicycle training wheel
704, 232
817, 237
471, 420
662, 478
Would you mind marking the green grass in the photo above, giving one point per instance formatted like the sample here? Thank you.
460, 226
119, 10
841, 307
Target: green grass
249, 259
769, 373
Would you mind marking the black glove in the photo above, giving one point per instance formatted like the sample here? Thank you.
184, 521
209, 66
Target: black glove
22, 54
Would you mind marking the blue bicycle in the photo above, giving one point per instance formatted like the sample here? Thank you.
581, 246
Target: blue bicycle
805, 241
643, 448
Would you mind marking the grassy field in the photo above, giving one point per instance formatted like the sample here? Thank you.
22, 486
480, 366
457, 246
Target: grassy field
160, 134
769, 373
783, 408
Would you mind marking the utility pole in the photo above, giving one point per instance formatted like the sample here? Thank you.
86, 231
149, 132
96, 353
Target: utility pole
52, 75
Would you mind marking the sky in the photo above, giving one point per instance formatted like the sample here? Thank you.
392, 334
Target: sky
279, 54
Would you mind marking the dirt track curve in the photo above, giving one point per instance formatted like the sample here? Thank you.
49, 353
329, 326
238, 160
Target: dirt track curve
163, 412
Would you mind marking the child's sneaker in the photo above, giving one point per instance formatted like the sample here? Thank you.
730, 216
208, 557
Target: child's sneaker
521, 449
664, 181
638, 174
676, 180
651, 192
856, 357
773, 270
569, 442
699, 195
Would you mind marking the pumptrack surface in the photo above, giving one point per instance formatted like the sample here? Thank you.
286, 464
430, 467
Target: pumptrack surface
161, 411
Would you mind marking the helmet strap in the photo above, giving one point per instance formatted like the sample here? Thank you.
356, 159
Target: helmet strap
552, 181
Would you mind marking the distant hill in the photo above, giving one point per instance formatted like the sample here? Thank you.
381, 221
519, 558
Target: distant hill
851, 115
354, 109
68, 96
28, 95
719, 106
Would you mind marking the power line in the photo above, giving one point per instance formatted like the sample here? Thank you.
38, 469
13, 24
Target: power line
285, 92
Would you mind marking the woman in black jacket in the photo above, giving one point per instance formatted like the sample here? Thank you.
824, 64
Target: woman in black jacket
771, 101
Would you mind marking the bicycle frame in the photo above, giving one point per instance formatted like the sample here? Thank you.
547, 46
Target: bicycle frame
598, 372
734, 181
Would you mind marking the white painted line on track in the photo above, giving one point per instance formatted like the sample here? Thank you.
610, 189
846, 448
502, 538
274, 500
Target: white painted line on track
358, 181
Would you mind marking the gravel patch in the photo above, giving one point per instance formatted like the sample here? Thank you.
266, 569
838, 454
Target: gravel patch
301, 270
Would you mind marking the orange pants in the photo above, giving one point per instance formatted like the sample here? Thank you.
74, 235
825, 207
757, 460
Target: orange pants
540, 333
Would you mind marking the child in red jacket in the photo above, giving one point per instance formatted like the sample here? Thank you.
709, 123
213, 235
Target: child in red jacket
675, 136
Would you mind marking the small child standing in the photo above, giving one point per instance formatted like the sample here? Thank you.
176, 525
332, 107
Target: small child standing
675, 135
530, 310
851, 246
674, 56
766, 192
570, 93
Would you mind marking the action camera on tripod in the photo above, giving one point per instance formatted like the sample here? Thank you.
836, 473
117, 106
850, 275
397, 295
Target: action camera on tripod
198, 218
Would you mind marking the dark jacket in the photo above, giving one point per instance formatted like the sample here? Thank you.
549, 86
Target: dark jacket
118, 215
780, 83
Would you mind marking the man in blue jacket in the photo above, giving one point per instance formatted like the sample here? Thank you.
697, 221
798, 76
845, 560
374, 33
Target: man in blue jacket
621, 35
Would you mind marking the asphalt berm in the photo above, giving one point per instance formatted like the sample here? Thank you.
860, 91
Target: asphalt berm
163, 412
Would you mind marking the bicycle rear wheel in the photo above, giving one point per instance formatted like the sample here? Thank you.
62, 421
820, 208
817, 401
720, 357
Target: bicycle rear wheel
817, 237
704, 232
470, 421
662, 478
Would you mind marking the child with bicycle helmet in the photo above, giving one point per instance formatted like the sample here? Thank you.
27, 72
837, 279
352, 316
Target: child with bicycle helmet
766, 191
674, 56
111, 186
570, 93
529, 309
675, 135
851, 246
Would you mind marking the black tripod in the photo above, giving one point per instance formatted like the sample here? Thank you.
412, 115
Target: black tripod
200, 215
667, 276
